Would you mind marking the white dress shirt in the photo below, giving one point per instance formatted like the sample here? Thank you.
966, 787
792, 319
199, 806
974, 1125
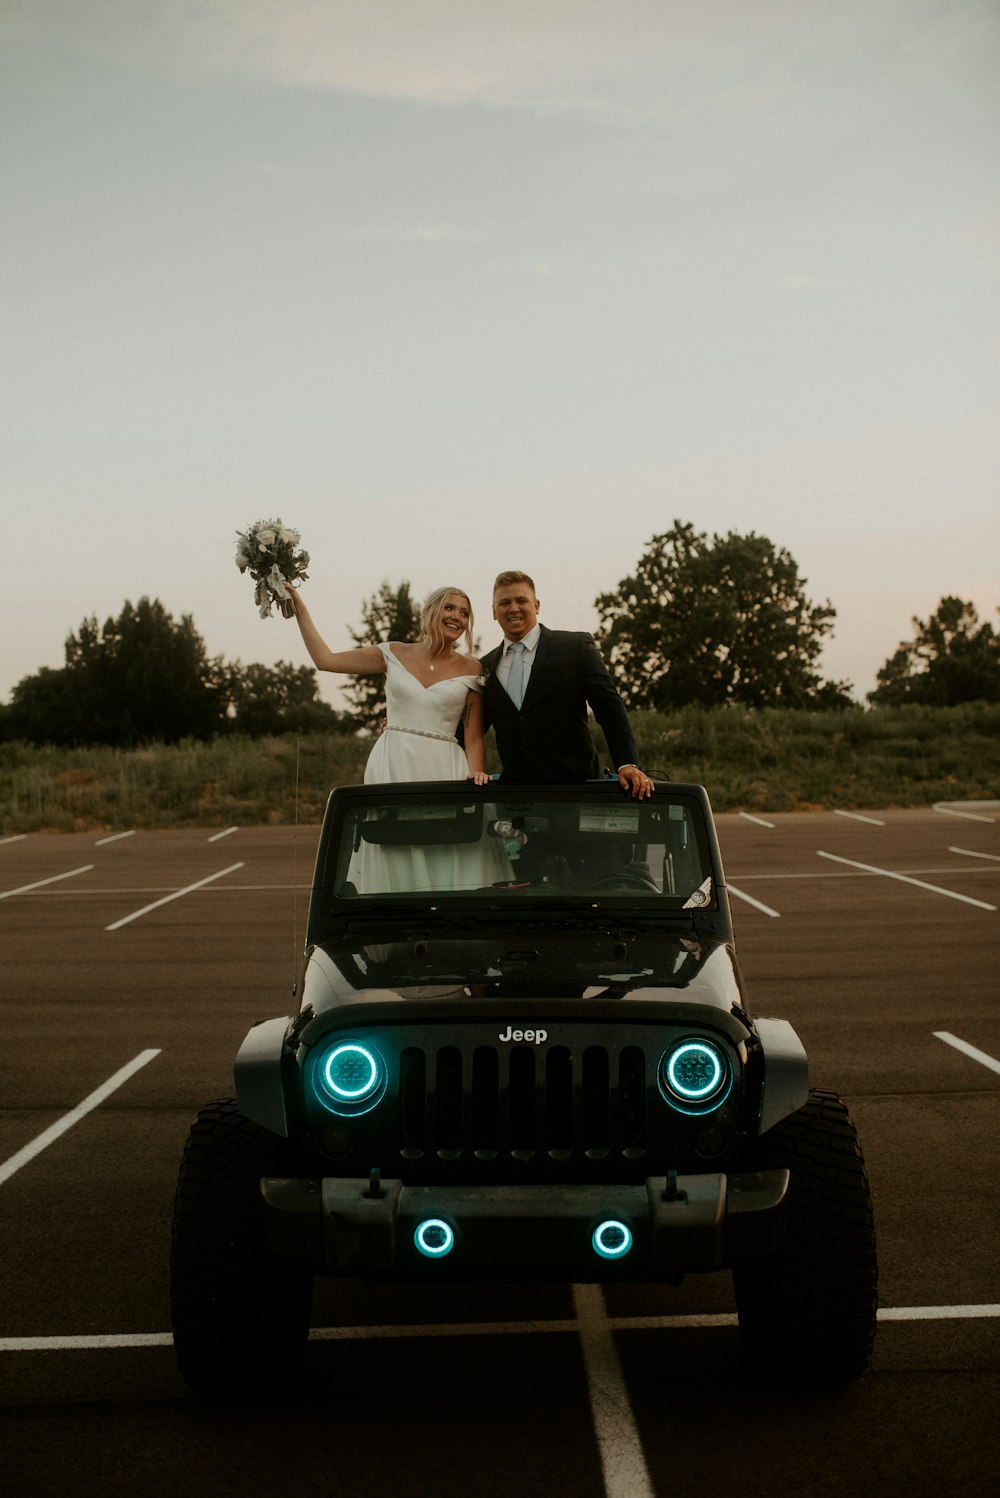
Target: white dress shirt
529, 642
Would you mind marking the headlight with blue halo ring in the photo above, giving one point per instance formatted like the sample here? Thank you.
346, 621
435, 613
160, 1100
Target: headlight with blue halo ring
351, 1077
695, 1075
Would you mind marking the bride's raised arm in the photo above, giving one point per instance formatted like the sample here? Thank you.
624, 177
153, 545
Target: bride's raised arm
364, 660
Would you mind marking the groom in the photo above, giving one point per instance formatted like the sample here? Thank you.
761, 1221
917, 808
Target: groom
538, 687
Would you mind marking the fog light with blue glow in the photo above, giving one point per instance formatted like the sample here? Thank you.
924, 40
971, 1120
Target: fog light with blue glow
353, 1077
612, 1239
434, 1238
695, 1076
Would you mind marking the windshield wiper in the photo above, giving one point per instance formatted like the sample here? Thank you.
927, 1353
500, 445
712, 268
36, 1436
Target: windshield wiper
380, 911
546, 911
523, 910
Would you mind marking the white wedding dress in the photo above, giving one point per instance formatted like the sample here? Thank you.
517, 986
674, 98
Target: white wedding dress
419, 743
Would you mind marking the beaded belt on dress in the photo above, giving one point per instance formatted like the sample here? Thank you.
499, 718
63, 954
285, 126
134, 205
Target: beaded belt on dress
424, 733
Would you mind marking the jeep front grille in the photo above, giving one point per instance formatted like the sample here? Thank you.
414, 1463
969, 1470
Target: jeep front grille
521, 1102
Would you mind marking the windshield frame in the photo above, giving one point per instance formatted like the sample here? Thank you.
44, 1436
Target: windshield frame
603, 802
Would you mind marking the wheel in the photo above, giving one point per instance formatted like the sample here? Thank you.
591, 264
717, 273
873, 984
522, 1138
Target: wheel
624, 881
240, 1318
807, 1312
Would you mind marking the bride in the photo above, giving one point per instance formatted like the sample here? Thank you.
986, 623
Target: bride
430, 688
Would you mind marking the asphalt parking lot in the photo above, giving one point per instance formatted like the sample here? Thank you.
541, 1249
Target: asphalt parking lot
133, 966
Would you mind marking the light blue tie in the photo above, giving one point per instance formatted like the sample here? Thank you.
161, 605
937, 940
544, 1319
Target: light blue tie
515, 681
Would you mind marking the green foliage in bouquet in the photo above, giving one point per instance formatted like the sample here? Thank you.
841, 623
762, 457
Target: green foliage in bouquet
270, 552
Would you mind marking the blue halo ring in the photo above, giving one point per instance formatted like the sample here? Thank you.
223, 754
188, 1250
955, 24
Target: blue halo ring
365, 1088
434, 1237
702, 1090
350, 1078
709, 1077
612, 1239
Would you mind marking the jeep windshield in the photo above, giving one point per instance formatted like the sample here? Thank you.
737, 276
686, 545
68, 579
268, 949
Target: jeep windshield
458, 848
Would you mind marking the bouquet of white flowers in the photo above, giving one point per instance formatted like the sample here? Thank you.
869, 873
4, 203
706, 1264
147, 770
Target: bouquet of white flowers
267, 551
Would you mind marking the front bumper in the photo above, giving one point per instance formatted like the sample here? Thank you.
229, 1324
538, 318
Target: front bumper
701, 1223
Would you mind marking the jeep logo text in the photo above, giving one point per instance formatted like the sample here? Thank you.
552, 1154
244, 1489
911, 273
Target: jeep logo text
537, 1036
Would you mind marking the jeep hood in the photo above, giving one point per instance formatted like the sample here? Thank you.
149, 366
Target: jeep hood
463, 970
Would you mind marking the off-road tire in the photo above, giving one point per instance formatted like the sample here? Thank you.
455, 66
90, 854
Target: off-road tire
807, 1313
240, 1318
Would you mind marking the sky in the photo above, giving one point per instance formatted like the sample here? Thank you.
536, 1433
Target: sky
452, 286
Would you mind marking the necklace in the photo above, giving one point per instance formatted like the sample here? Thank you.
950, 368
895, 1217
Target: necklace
444, 652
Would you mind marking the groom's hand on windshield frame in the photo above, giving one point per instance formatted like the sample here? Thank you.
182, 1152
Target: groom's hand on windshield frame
632, 779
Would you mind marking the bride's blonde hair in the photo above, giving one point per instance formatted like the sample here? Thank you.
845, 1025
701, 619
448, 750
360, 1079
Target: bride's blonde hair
431, 633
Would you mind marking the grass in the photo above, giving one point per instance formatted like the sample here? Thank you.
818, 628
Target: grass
766, 760
211, 784
779, 760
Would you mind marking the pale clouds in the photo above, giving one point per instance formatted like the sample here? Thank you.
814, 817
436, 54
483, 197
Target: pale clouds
733, 84
619, 60
452, 51
743, 74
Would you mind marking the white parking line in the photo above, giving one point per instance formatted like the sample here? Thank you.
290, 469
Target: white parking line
115, 837
101, 1341
23, 889
967, 1049
95, 1343
625, 1471
937, 1313
220, 835
857, 817
757, 905
993, 857
774, 875
759, 820
972, 816
176, 895
16, 837
935, 889
91, 1101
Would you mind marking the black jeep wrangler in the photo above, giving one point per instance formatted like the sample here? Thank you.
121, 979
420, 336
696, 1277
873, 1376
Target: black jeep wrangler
523, 1049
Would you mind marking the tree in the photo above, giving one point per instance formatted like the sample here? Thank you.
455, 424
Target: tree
716, 621
390, 614
42, 709
274, 699
953, 658
145, 677
142, 676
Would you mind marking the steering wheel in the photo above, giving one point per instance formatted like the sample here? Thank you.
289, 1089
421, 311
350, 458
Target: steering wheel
626, 881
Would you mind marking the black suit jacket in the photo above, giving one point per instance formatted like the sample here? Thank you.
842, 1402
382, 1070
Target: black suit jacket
548, 739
